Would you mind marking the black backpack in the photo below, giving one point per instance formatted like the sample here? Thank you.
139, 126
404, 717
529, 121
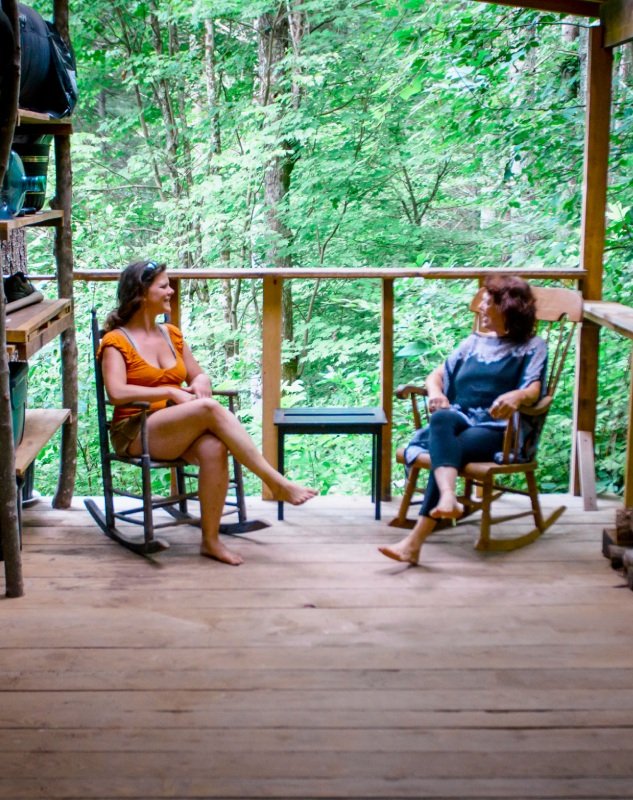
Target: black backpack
62, 77
6, 48
48, 81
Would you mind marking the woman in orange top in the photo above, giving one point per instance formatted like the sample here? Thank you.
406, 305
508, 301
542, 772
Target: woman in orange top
142, 360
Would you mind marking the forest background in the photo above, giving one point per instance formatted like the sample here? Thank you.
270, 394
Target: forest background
240, 133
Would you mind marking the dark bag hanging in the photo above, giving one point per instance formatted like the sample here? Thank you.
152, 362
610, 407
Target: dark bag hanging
48, 80
35, 58
62, 76
6, 57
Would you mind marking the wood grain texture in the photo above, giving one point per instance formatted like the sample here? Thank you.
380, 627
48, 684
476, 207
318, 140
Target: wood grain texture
617, 19
318, 669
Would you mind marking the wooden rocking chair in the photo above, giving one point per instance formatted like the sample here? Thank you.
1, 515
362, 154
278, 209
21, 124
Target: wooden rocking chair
176, 504
558, 311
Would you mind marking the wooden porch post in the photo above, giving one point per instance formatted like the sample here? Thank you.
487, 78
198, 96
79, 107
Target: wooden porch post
65, 266
9, 527
271, 369
596, 171
174, 316
386, 382
628, 469
69, 355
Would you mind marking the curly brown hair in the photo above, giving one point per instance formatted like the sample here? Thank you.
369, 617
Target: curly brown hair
514, 297
134, 282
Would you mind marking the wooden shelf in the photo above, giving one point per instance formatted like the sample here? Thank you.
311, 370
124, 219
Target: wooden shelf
30, 328
39, 428
615, 316
40, 218
36, 121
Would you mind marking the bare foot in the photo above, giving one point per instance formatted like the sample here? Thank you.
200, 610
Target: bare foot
447, 507
402, 551
294, 493
219, 552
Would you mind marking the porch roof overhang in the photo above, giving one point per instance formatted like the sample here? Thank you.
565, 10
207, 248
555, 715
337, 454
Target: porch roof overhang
578, 8
616, 16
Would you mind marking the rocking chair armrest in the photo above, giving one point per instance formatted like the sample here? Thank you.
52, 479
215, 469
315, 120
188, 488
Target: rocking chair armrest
542, 407
406, 390
510, 452
410, 391
226, 392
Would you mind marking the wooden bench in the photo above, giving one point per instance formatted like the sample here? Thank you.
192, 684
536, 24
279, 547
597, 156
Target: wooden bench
40, 426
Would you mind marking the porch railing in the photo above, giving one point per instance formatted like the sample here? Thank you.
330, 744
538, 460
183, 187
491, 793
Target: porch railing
273, 280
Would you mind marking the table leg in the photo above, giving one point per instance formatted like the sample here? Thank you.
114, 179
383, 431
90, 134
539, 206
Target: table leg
378, 471
280, 468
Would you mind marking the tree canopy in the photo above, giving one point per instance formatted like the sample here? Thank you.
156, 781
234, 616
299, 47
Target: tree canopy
384, 133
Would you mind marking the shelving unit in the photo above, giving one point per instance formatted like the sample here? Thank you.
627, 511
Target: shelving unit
34, 120
39, 218
30, 328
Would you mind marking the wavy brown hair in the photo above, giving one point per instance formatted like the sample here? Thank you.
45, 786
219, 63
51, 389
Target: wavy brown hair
134, 282
514, 297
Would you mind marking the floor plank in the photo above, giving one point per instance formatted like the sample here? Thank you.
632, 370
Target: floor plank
318, 669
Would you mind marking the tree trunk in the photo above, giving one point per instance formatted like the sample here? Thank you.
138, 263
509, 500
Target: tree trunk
229, 298
13, 253
9, 528
213, 88
273, 31
145, 132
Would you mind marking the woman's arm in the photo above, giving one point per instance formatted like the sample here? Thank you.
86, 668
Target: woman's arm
506, 404
198, 381
435, 389
120, 392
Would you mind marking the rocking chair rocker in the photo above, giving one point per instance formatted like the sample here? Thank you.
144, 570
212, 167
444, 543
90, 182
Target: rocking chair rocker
558, 311
176, 504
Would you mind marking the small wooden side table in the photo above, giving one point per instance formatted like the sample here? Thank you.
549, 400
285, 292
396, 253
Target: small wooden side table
333, 420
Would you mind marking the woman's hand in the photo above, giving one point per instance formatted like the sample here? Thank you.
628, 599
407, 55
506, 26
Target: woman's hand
435, 390
200, 386
178, 394
438, 401
506, 404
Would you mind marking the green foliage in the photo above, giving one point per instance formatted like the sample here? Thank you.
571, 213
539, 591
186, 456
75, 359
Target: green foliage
409, 133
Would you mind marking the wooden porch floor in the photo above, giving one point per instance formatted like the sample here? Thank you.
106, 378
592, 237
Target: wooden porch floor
318, 669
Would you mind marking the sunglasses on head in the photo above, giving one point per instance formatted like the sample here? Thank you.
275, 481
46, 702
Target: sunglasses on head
149, 270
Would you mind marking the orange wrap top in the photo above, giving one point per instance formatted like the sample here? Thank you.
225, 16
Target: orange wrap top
140, 373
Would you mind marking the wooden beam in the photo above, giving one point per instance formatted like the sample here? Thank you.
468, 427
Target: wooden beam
174, 316
271, 369
628, 469
579, 8
344, 273
615, 316
587, 469
9, 523
596, 166
386, 383
69, 355
617, 21
596, 171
